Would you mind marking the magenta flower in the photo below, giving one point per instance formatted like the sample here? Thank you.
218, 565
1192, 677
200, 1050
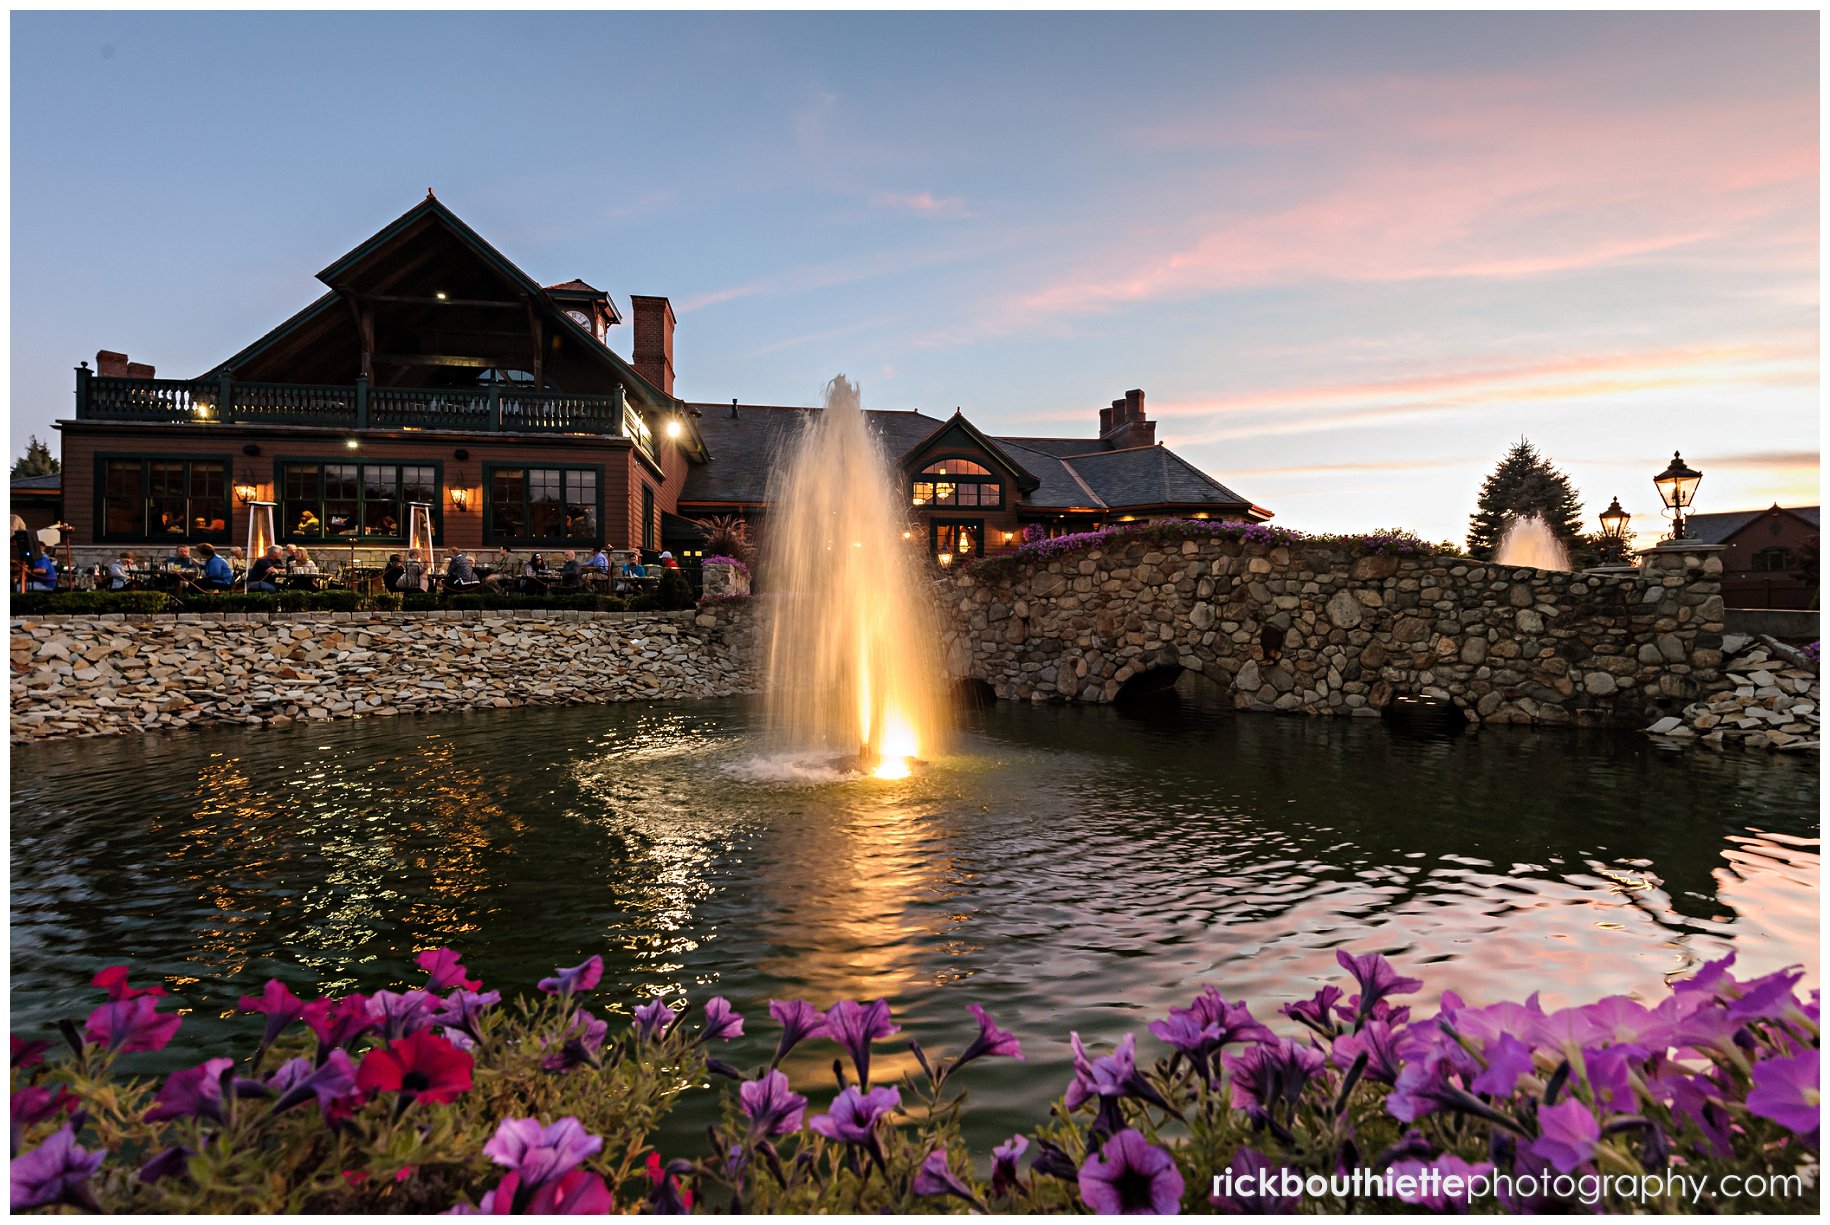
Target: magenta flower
462, 1010
574, 1193
402, 1012
722, 1022
445, 971
34, 1104
337, 1023
113, 980
855, 1026
772, 1108
854, 1115
174, 1160
991, 1041
541, 1154
131, 1023
56, 1172
1317, 1012
1379, 1044
799, 1020
281, 1006
1423, 1087
1377, 979
1109, 1076
1255, 1187
1004, 1160
570, 981
298, 1081
1132, 1176
1567, 1136
1508, 1059
580, 1042
1786, 1091
193, 1093
653, 1019
1267, 1073
28, 1053
934, 1178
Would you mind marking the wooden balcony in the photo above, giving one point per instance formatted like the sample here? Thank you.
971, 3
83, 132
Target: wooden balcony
225, 401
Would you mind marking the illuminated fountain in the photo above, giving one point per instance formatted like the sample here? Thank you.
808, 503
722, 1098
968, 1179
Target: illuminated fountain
1530, 542
853, 667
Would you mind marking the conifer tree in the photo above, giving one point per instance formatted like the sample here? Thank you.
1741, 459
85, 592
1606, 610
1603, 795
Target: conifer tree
1525, 483
37, 460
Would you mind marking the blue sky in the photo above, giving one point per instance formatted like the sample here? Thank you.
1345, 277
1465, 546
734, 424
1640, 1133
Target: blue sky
1350, 258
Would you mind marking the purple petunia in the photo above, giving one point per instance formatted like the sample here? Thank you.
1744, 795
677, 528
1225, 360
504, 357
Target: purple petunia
571, 980
1786, 1091
574, 1193
798, 1020
1508, 1059
653, 1019
337, 1023
1130, 1175
935, 1178
580, 1043
1316, 1012
1267, 1073
722, 1022
771, 1106
402, 1012
192, 1093
1109, 1076
540, 1155
298, 1081
855, 1026
854, 1114
991, 1041
462, 1010
1379, 1044
445, 971
1004, 1160
281, 1006
1377, 979
57, 1171
1567, 1136
131, 1023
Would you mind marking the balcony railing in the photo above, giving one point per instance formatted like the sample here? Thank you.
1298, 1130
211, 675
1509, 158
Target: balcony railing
503, 409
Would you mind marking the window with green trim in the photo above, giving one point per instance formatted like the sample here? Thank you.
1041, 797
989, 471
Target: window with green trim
544, 505
338, 501
163, 498
957, 482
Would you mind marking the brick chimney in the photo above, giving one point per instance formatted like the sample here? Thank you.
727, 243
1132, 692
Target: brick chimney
652, 351
111, 365
1124, 424
139, 370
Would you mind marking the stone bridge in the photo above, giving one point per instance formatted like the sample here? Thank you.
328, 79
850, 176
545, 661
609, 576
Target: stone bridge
1315, 627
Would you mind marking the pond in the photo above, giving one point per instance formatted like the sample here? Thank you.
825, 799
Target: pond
1072, 868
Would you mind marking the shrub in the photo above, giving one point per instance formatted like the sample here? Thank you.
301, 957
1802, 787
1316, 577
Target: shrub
674, 592
409, 1100
231, 602
90, 603
727, 537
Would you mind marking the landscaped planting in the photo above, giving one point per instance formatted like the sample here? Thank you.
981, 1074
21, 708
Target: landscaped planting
444, 1097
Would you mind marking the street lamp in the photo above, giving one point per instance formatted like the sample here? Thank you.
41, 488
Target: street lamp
1614, 521
1677, 486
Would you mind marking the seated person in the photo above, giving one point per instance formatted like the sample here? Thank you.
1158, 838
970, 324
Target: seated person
413, 574
182, 558
261, 573
600, 561
118, 578
668, 562
530, 581
41, 575
390, 575
216, 573
632, 569
460, 575
568, 573
307, 525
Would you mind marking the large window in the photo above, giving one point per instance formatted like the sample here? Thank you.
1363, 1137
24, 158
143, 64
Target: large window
163, 499
332, 501
957, 482
1772, 561
956, 540
543, 505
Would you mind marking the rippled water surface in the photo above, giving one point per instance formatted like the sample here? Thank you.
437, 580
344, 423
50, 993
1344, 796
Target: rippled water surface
1071, 868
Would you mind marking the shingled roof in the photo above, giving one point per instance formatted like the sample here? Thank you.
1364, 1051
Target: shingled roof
1718, 527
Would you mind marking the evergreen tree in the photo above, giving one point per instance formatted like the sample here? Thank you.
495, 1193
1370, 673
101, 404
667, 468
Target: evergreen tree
37, 460
1525, 483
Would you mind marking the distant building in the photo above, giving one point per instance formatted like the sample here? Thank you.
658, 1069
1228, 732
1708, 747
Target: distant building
434, 372
1762, 566
38, 500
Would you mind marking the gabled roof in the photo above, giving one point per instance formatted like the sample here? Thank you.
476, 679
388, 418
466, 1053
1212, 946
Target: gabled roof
1718, 527
957, 426
744, 448
1151, 476
1062, 447
573, 286
53, 482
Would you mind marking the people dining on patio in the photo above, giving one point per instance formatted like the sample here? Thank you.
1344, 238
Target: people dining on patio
460, 575
120, 572
390, 574
216, 573
668, 562
181, 558
414, 576
41, 572
568, 573
262, 573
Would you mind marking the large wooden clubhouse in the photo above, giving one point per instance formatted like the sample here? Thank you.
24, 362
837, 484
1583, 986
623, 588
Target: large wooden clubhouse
435, 371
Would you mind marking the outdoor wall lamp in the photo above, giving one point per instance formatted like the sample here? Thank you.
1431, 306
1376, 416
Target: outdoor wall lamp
246, 492
946, 559
674, 428
1677, 487
460, 498
1614, 521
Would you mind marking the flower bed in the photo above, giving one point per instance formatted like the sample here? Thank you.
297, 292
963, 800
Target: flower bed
442, 1097
1036, 548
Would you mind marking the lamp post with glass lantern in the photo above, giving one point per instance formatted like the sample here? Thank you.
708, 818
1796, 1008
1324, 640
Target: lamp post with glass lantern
1677, 488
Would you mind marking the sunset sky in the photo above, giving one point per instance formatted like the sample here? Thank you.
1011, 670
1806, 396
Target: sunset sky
1349, 258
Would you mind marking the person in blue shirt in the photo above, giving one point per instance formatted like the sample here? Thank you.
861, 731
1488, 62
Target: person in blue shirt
260, 575
216, 573
600, 560
43, 573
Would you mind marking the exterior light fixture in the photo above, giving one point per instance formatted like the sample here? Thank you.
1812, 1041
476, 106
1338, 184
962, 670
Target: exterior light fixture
460, 498
245, 492
1677, 488
351, 443
1614, 521
440, 297
674, 428
946, 559
907, 535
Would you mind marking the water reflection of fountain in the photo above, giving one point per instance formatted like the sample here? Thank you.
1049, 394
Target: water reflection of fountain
1529, 541
852, 663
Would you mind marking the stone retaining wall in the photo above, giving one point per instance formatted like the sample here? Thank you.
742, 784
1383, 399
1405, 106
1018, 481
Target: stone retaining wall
1311, 628
102, 675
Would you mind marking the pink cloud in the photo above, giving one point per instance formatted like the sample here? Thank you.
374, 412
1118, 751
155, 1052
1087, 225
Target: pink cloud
925, 202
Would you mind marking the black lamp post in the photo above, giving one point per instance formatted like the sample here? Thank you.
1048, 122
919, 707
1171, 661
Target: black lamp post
1677, 486
1614, 521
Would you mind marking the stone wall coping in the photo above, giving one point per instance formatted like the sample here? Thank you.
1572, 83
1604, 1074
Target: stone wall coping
373, 617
